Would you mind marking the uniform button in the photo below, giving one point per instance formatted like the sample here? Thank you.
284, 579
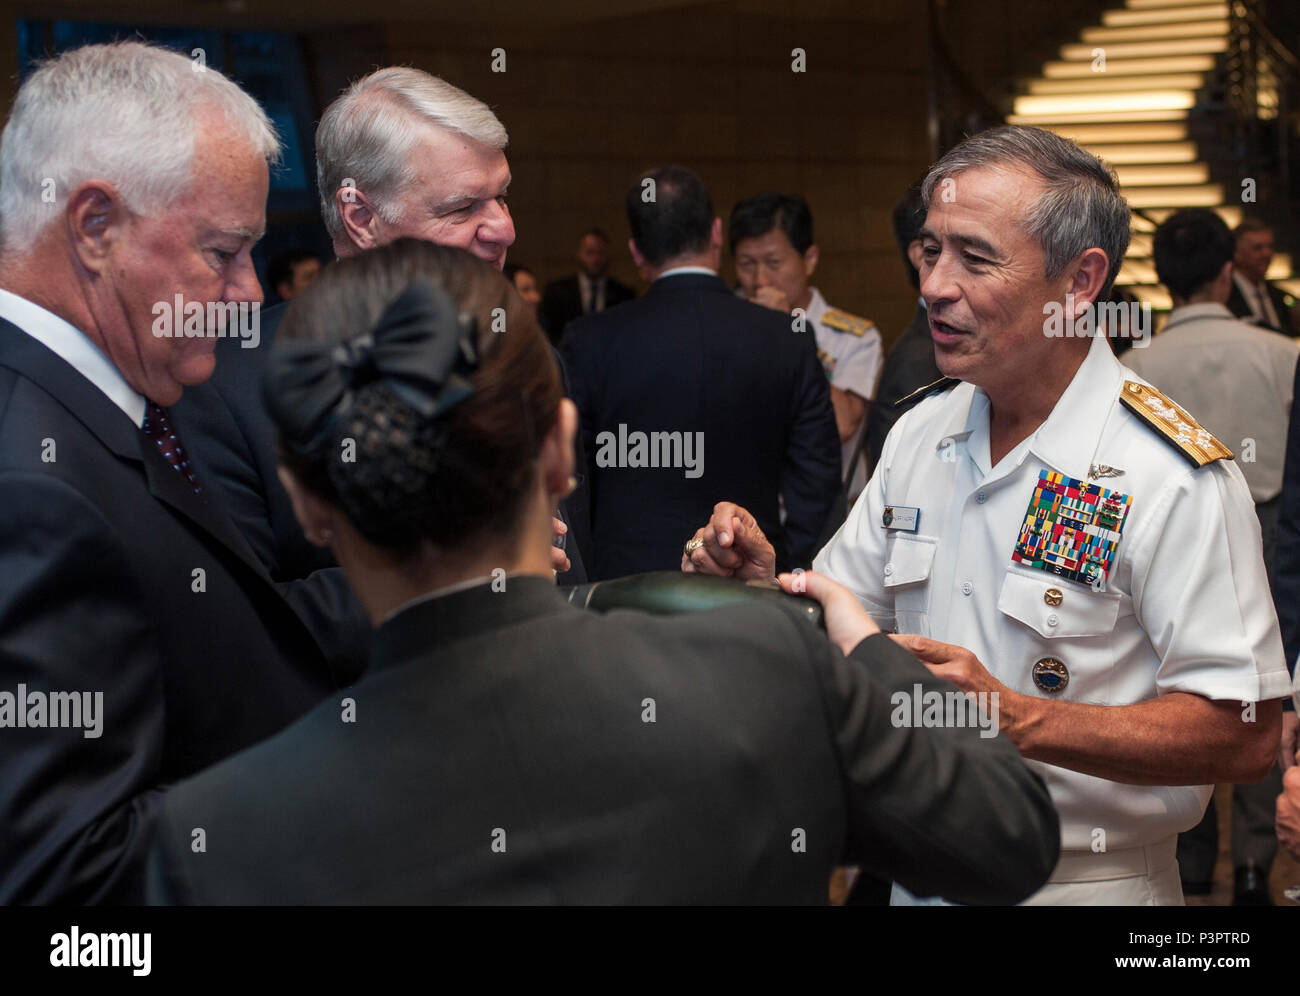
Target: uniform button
1053, 596
889, 569
982, 497
1053, 619
967, 587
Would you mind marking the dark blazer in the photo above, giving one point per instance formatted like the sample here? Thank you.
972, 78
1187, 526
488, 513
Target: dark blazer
562, 303
504, 751
692, 357
1287, 581
119, 579
233, 441
1238, 306
909, 365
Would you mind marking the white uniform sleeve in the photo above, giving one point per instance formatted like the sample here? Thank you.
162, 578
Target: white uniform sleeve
1201, 592
859, 368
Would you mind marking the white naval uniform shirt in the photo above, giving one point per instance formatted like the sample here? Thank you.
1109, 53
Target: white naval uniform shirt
852, 363
1186, 607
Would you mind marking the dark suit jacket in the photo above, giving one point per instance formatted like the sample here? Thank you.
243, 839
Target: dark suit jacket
692, 357
233, 441
909, 365
562, 303
1287, 581
502, 753
101, 591
1238, 306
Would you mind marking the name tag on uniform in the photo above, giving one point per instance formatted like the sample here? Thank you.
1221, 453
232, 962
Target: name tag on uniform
901, 517
1072, 529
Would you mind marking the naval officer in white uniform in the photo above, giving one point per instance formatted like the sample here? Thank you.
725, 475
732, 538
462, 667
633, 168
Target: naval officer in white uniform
1078, 544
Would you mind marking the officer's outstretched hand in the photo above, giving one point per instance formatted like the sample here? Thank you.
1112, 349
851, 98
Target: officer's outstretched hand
731, 545
847, 622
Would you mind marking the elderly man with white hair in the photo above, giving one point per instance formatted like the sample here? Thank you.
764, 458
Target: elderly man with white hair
399, 153
140, 637
405, 153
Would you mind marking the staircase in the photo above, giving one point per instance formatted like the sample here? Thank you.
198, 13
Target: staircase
1130, 91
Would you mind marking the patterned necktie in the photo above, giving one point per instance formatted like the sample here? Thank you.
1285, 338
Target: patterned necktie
158, 427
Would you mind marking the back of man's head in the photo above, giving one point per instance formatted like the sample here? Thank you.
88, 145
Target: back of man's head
124, 113
1191, 248
364, 138
755, 216
908, 219
671, 217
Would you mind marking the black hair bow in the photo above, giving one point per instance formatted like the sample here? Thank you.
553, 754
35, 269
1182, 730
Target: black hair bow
422, 349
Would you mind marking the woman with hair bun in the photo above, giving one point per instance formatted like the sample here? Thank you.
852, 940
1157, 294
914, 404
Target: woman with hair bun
507, 747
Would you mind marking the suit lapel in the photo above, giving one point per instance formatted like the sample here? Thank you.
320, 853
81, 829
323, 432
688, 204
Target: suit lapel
173, 490
106, 422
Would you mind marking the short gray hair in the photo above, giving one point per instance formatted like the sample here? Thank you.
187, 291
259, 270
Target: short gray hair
366, 135
124, 113
1081, 207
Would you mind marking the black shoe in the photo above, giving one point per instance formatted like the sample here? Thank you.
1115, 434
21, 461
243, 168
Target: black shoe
1198, 888
1250, 887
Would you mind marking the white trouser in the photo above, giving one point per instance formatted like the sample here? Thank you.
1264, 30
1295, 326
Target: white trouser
1136, 876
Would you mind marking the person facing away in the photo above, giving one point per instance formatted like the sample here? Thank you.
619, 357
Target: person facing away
690, 392
1239, 378
507, 747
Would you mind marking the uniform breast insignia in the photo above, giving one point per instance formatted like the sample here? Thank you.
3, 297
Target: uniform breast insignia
842, 321
827, 361
942, 384
1102, 470
1072, 529
1173, 424
1051, 675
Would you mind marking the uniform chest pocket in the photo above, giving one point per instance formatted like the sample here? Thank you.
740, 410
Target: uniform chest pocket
1057, 609
908, 560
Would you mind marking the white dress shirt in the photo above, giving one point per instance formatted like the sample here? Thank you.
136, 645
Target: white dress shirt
1185, 608
70, 343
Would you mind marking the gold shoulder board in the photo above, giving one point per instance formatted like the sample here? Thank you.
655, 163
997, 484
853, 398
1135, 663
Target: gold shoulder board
842, 321
942, 384
1172, 424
